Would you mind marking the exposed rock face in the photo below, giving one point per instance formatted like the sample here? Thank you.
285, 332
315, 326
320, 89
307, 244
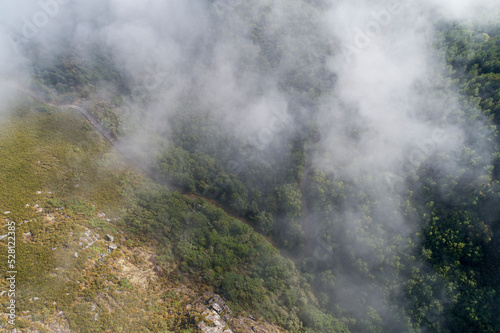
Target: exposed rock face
209, 312
219, 305
214, 315
213, 323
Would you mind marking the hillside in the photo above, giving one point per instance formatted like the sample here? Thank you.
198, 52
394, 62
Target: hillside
79, 267
272, 166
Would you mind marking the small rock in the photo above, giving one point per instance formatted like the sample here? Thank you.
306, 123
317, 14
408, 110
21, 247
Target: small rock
76, 254
101, 215
39, 210
216, 307
39, 192
35, 298
110, 238
113, 246
96, 316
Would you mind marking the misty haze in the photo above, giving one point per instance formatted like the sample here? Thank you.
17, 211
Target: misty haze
250, 166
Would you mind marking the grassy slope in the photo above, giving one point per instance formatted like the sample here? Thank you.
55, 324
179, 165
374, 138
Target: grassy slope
60, 155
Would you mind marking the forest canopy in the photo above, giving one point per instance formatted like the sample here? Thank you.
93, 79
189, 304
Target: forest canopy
321, 193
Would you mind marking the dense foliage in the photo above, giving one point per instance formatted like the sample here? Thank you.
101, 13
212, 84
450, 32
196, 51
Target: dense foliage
227, 254
444, 277
440, 276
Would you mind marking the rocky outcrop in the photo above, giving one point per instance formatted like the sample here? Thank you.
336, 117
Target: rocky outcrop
214, 316
212, 313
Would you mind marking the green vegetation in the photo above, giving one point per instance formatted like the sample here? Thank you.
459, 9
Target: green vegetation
228, 255
44, 157
267, 234
456, 214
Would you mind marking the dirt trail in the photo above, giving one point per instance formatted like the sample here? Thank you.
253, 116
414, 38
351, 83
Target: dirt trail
144, 168
93, 122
